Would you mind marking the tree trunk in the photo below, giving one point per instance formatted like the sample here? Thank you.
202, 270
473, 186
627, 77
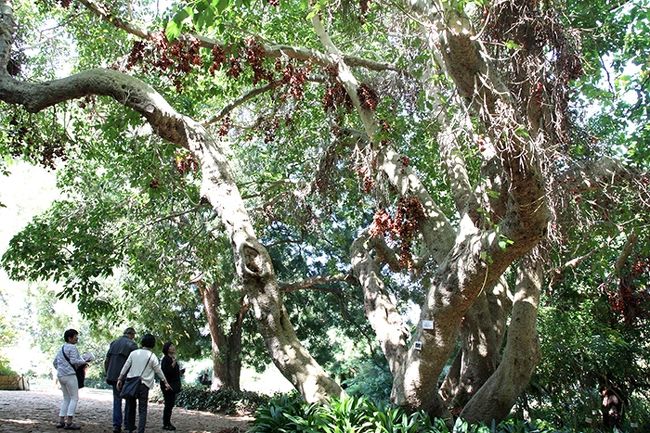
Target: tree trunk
233, 358
497, 396
482, 332
479, 354
226, 349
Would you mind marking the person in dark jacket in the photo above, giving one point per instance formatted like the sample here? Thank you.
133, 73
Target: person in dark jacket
117, 354
173, 373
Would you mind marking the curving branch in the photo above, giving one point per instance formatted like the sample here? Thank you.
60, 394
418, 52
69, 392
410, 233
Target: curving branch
270, 50
101, 11
244, 98
558, 273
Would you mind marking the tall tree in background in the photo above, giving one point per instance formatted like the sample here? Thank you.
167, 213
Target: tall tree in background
438, 134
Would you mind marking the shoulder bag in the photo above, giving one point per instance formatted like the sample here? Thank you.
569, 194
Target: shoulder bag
131, 386
80, 371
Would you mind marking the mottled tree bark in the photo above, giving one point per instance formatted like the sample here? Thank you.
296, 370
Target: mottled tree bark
226, 348
497, 396
481, 336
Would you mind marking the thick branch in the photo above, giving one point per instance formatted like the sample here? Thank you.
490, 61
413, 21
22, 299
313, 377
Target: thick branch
386, 254
126, 90
476, 79
381, 312
436, 229
625, 253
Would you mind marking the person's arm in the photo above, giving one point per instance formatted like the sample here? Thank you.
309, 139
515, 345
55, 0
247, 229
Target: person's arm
107, 359
127, 366
73, 354
159, 372
125, 369
166, 366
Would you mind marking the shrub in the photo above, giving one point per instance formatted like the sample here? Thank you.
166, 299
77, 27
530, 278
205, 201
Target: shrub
5, 370
226, 400
290, 414
351, 415
368, 377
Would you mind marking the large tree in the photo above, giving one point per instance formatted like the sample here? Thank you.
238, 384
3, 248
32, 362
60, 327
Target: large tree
440, 131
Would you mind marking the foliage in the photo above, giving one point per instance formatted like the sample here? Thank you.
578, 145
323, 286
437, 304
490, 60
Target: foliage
289, 414
224, 400
368, 377
7, 331
5, 369
616, 54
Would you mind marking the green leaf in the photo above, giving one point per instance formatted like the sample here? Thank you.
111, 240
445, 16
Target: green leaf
222, 5
522, 132
174, 26
512, 45
172, 30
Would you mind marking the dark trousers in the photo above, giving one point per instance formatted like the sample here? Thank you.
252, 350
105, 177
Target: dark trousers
170, 401
142, 401
117, 408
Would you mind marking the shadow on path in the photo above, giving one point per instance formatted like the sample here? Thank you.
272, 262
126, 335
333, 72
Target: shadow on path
37, 412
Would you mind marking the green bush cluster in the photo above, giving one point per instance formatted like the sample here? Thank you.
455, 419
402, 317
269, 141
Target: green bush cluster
290, 414
369, 377
351, 415
226, 401
5, 369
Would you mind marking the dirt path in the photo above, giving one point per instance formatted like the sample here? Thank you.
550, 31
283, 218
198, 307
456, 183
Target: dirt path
37, 412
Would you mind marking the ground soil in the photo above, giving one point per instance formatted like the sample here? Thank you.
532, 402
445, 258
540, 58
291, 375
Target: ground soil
37, 412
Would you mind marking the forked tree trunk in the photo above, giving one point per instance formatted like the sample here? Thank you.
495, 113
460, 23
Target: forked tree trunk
482, 332
521, 354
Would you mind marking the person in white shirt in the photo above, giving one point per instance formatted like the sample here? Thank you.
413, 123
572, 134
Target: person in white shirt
66, 362
141, 362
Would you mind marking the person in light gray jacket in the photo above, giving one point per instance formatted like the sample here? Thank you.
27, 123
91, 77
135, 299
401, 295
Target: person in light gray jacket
66, 361
116, 357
